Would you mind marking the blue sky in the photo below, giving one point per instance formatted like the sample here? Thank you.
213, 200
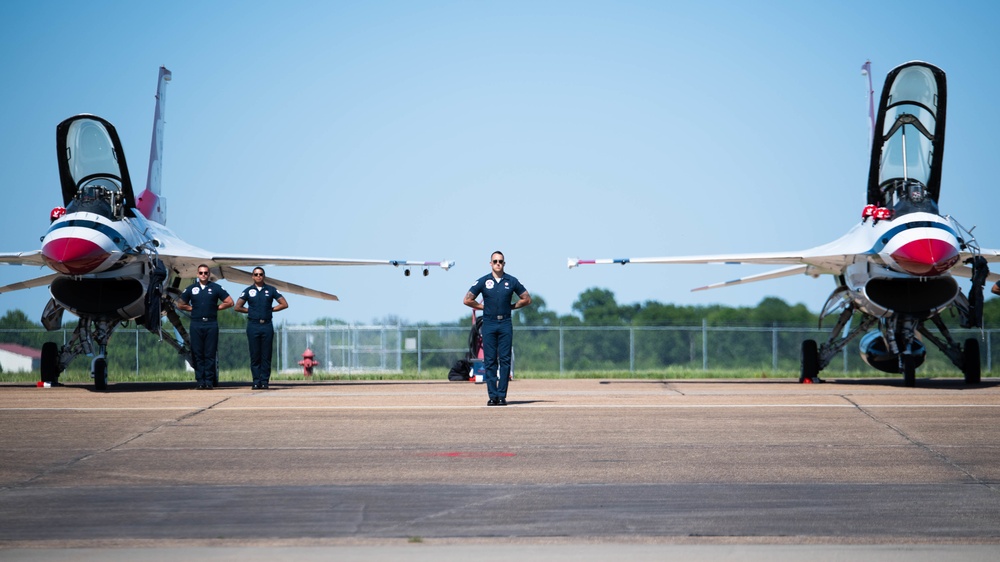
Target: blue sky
446, 130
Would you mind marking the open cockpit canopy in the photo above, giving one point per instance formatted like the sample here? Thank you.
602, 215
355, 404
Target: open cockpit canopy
92, 169
905, 168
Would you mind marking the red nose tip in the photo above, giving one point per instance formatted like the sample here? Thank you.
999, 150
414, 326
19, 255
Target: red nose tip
73, 256
927, 258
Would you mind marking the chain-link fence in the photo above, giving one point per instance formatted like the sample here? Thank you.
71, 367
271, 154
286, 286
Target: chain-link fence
561, 349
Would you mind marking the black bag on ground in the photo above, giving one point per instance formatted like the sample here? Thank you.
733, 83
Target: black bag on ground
460, 372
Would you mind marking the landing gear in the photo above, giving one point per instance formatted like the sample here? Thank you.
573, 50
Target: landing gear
50, 362
971, 367
99, 370
815, 357
965, 357
810, 362
908, 365
971, 310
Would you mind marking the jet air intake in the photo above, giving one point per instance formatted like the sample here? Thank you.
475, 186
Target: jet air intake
920, 297
100, 297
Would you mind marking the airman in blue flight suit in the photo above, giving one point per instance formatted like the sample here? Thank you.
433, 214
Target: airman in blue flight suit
497, 332
204, 299
259, 300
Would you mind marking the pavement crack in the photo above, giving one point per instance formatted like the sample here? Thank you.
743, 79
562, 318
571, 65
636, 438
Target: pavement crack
95, 453
187, 416
466, 506
673, 388
923, 446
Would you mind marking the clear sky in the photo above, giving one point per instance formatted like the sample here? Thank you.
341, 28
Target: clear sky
430, 130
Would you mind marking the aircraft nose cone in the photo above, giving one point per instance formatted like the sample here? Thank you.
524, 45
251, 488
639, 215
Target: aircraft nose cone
73, 256
926, 258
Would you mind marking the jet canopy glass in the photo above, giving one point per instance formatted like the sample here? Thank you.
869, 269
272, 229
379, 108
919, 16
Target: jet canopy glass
910, 139
90, 151
92, 167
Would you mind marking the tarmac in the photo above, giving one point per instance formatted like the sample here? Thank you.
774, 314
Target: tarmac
571, 469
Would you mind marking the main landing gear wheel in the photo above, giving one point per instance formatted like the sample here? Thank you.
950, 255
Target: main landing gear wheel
50, 362
810, 362
971, 367
100, 371
909, 371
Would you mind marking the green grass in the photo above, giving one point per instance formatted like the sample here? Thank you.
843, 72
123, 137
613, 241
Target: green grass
81, 376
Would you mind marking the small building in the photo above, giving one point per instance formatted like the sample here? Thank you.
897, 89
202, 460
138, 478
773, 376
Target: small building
16, 358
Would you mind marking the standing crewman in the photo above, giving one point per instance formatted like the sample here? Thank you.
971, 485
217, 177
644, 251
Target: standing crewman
204, 299
497, 332
259, 300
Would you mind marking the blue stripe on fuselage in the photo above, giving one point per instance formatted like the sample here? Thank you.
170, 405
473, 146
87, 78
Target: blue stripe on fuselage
892, 232
104, 229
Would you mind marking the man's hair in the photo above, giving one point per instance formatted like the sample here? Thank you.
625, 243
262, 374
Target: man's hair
260, 268
498, 252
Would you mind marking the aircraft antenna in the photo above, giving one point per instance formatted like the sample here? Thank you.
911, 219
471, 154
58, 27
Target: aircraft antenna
866, 70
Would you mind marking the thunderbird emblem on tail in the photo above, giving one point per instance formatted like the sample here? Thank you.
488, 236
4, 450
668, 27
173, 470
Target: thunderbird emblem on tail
113, 257
897, 266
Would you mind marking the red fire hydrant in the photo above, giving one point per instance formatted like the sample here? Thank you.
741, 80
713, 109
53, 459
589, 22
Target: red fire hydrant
308, 362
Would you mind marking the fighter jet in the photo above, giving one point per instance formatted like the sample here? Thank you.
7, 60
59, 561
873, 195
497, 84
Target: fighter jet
112, 257
896, 267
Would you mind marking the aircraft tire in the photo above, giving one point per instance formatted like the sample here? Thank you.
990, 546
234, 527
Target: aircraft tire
100, 374
909, 371
810, 361
50, 362
971, 366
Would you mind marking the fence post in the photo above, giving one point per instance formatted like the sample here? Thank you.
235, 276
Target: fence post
282, 344
631, 349
989, 351
560, 350
704, 344
136, 353
774, 346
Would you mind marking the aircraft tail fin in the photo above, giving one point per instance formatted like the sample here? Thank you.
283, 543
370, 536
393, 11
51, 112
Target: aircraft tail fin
150, 203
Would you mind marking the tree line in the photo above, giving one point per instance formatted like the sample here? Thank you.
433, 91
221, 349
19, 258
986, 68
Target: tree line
594, 307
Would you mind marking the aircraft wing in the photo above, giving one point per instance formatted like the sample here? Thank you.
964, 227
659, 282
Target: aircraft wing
829, 258
29, 284
991, 255
183, 258
25, 258
785, 272
250, 260
22, 258
966, 271
184, 261
244, 278
816, 262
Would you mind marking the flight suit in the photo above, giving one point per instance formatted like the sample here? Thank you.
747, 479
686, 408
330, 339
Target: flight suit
204, 330
260, 330
497, 331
